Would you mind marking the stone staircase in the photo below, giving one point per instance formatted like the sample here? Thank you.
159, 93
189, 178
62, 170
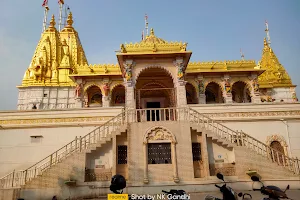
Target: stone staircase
250, 153
67, 163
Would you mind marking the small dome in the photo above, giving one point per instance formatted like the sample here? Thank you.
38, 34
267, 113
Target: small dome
153, 39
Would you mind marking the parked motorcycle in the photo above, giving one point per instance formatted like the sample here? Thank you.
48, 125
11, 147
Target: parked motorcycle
228, 192
274, 193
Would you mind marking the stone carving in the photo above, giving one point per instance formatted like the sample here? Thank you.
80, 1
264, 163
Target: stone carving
278, 138
183, 47
78, 91
201, 86
128, 72
159, 133
106, 89
294, 97
180, 71
255, 85
227, 86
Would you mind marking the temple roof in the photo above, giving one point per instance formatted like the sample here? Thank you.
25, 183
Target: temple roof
275, 74
152, 39
152, 44
55, 51
223, 66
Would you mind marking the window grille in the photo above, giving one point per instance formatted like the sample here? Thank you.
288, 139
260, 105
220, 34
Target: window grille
159, 153
196, 150
122, 154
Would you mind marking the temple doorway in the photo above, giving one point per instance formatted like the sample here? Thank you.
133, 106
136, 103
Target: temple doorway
153, 115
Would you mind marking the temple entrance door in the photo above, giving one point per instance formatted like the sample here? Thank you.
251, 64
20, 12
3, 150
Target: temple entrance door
153, 115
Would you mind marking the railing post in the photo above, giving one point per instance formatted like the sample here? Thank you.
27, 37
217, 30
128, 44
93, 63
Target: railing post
12, 180
51, 159
34, 172
25, 176
298, 169
80, 144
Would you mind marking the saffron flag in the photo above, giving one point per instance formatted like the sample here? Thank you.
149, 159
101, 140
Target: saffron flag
61, 2
45, 3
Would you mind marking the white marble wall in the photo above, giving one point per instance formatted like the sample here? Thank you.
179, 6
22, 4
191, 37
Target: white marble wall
46, 98
284, 94
18, 151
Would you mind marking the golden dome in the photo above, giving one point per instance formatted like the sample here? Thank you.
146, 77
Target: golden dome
153, 39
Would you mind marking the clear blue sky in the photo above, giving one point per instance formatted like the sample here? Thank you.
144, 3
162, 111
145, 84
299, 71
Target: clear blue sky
214, 30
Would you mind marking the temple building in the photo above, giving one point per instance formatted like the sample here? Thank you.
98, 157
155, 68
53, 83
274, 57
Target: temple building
155, 117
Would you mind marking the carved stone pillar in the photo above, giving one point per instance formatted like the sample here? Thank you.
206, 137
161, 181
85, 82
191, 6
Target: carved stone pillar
106, 96
205, 155
201, 97
105, 101
174, 161
78, 94
130, 97
180, 83
146, 179
227, 90
255, 90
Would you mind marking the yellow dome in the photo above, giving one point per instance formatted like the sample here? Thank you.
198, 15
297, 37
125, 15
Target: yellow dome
153, 39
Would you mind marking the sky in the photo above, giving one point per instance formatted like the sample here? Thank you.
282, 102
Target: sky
215, 30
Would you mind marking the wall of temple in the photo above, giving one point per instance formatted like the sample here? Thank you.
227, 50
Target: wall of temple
158, 172
100, 158
46, 98
22, 148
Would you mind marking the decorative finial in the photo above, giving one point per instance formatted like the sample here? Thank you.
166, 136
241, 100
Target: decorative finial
70, 20
152, 31
265, 42
52, 22
268, 34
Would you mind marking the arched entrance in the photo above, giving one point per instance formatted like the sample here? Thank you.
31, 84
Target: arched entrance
213, 93
191, 95
241, 93
278, 147
155, 89
94, 96
118, 96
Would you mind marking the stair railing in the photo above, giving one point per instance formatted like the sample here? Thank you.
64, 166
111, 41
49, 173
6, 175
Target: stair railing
79, 144
243, 139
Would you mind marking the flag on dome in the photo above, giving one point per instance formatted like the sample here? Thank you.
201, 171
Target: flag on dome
61, 2
45, 3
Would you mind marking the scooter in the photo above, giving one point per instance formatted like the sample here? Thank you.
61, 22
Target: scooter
274, 193
228, 192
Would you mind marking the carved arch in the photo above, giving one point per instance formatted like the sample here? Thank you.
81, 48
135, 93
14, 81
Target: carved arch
88, 85
278, 138
154, 83
115, 85
159, 133
212, 81
247, 83
154, 66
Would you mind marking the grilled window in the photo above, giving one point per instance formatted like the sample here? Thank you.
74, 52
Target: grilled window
159, 153
122, 154
196, 149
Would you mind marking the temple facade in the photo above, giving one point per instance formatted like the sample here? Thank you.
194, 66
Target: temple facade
155, 117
